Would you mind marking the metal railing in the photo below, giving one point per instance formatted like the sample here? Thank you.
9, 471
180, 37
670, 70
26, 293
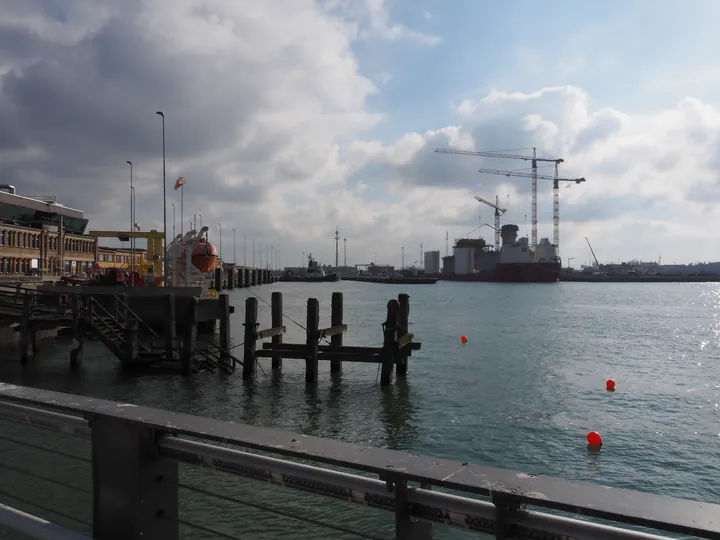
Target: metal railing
135, 480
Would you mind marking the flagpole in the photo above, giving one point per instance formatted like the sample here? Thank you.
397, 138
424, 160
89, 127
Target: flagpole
182, 205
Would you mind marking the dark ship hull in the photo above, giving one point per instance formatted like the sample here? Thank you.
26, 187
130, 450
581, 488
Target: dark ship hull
544, 272
310, 279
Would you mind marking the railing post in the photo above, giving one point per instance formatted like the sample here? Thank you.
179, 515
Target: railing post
249, 357
336, 319
123, 308
135, 493
131, 344
78, 330
389, 342
407, 528
276, 304
312, 327
26, 324
403, 328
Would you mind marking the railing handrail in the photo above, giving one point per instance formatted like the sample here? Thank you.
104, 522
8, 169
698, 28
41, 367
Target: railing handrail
392, 467
141, 323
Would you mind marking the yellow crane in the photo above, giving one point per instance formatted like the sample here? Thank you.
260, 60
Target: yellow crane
154, 247
498, 211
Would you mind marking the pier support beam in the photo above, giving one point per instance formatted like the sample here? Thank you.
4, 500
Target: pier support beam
312, 326
277, 320
403, 326
389, 342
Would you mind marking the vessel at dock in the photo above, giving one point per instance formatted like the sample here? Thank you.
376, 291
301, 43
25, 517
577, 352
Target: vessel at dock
313, 274
515, 262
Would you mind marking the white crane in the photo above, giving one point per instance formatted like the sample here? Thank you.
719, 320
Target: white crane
498, 211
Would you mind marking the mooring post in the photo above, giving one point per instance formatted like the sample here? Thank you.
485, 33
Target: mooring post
231, 278
190, 336
170, 322
390, 328
78, 329
313, 325
26, 322
218, 279
403, 328
336, 319
277, 320
135, 490
224, 316
249, 358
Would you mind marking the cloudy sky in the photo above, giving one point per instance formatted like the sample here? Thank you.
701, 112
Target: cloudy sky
289, 117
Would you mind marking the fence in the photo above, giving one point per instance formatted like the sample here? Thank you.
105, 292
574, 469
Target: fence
135, 486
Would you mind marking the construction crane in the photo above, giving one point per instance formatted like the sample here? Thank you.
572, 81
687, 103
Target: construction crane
534, 161
498, 211
556, 196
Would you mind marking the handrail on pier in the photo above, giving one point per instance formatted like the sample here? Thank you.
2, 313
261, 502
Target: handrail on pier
136, 451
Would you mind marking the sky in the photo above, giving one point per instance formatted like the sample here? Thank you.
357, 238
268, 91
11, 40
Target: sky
289, 118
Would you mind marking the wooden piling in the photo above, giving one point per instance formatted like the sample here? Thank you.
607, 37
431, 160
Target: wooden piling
249, 357
231, 278
131, 344
170, 326
336, 319
390, 329
312, 327
77, 331
224, 316
218, 279
277, 320
190, 337
403, 329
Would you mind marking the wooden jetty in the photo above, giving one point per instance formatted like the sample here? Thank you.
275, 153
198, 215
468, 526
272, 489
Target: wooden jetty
394, 352
233, 276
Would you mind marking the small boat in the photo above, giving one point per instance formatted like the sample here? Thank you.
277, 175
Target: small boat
313, 274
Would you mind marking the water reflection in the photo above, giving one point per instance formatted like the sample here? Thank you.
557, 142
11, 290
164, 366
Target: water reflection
397, 415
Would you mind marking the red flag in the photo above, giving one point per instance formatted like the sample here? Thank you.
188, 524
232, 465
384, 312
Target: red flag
180, 182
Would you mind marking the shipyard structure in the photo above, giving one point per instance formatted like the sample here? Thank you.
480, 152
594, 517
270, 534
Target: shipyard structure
474, 260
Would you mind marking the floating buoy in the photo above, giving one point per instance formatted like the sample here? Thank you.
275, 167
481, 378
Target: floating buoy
594, 439
463, 339
610, 385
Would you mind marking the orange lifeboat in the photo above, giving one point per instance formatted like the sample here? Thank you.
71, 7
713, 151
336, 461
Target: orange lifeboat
204, 256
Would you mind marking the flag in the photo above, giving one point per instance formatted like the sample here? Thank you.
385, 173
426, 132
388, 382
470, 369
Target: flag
180, 182
137, 227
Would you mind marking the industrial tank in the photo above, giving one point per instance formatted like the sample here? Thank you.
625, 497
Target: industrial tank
464, 260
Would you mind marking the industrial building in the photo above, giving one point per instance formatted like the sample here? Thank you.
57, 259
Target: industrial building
432, 262
40, 236
110, 257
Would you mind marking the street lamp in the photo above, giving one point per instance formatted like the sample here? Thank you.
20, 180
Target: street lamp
253, 258
132, 221
244, 250
234, 248
173, 205
220, 247
165, 270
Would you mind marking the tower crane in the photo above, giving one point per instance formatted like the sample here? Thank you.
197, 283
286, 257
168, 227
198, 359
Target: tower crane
534, 161
556, 195
498, 211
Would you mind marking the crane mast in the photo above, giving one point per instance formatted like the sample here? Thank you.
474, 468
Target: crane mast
498, 210
533, 161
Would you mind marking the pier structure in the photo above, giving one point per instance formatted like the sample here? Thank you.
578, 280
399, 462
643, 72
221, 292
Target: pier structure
126, 466
233, 276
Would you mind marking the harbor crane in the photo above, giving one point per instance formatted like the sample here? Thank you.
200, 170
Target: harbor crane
556, 196
498, 211
533, 160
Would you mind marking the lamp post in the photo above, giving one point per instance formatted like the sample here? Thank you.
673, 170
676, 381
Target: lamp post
244, 250
165, 270
253, 257
173, 205
220, 246
234, 248
132, 223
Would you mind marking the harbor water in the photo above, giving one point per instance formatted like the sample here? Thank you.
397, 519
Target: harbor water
522, 393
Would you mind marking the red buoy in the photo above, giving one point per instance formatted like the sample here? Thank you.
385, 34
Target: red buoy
610, 385
463, 339
594, 439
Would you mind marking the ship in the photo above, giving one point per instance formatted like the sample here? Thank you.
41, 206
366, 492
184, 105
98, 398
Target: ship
515, 262
313, 274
